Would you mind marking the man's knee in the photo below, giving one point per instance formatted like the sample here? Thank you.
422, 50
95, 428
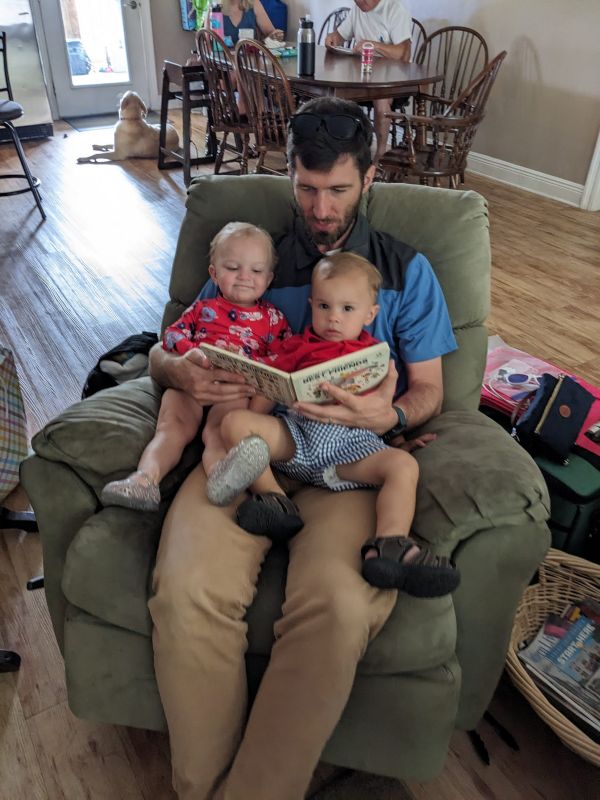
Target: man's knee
185, 589
337, 606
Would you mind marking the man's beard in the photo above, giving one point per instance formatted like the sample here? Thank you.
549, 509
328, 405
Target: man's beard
329, 238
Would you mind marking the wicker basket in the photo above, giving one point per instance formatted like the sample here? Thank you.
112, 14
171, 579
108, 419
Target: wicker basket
563, 579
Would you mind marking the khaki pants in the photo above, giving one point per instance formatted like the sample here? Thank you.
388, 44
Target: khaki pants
205, 579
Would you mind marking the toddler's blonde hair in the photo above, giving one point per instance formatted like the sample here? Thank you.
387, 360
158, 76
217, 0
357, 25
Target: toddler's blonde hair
240, 230
346, 263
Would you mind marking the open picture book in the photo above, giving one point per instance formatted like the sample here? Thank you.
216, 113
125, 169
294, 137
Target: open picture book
355, 372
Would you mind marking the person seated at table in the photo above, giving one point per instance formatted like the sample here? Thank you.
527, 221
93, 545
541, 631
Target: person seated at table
387, 25
245, 14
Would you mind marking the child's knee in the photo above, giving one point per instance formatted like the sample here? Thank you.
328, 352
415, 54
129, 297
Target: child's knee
235, 425
402, 463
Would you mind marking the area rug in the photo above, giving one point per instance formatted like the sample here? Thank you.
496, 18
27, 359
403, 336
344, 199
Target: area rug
104, 121
351, 785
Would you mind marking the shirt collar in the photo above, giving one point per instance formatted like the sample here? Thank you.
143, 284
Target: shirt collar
307, 253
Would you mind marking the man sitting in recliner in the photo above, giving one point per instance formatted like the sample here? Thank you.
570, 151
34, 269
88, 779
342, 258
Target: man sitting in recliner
207, 568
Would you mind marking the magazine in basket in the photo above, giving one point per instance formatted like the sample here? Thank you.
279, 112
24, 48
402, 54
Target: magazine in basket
355, 372
564, 659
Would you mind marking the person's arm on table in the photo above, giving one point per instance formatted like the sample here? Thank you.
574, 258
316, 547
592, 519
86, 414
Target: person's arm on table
264, 23
334, 40
192, 373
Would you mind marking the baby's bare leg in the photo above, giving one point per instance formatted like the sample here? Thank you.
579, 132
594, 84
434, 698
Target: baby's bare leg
214, 447
178, 421
397, 472
391, 561
256, 439
238, 425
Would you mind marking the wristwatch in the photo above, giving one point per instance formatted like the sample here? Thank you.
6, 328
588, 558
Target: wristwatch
398, 428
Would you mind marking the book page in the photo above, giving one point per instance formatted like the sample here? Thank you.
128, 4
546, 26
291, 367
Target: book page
270, 382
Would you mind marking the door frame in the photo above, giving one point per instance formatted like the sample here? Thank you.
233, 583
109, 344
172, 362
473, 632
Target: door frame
590, 199
153, 99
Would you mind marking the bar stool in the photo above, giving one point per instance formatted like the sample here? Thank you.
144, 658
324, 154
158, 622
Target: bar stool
184, 81
9, 111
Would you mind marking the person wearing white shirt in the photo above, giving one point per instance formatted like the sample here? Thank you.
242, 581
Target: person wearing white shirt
387, 25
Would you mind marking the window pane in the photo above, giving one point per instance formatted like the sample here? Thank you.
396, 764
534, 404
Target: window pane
95, 41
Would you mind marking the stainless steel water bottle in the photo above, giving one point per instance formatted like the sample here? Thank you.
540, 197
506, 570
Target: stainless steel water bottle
306, 46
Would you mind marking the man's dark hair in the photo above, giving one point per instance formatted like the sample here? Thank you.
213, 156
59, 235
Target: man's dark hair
320, 151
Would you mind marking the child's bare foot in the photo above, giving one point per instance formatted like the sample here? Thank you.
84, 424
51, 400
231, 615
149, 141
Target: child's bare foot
397, 562
138, 491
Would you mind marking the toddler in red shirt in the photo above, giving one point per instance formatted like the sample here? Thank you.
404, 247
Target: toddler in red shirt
344, 300
242, 260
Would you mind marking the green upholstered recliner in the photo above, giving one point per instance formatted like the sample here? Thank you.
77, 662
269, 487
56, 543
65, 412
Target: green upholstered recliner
481, 500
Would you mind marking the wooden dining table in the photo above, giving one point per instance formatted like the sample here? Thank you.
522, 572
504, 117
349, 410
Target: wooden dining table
340, 75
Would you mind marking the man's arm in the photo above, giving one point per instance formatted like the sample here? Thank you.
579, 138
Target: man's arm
421, 401
397, 52
423, 398
193, 374
334, 40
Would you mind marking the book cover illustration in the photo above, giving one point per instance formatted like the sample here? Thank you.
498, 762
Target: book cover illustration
574, 661
356, 373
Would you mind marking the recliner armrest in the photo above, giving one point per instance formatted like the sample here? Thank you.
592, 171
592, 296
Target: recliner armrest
472, 478
102, 438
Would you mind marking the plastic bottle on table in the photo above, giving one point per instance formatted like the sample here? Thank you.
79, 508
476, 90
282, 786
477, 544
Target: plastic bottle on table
216, 21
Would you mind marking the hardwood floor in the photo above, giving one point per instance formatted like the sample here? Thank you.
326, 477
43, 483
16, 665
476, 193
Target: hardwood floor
98, 270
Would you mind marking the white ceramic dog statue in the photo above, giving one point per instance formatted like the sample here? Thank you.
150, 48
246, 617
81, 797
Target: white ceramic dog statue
134, 137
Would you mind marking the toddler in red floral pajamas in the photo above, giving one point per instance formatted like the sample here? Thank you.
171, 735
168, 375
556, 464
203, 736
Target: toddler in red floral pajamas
242, 260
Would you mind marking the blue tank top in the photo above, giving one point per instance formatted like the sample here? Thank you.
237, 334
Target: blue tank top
248, 20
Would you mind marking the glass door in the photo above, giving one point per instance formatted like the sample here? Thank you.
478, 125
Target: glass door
96, 53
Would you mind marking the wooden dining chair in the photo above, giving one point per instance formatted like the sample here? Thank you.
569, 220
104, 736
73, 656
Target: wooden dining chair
459, 54
187, 85
332, 23
436, 147
221, 80
417, 37
268, 99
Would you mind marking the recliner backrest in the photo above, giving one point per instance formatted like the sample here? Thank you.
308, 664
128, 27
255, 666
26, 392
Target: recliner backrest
449, 227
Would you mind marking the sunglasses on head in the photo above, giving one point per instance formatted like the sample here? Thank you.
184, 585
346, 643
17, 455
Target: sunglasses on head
338, 126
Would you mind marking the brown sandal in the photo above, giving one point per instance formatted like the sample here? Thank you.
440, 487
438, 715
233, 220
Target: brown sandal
426, 575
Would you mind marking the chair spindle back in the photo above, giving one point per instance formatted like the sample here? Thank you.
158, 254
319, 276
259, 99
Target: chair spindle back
457, 52
268, 95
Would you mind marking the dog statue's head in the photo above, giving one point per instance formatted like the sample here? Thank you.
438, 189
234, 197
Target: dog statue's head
132, 106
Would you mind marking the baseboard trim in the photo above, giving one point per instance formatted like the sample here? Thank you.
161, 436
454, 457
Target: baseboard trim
525, 178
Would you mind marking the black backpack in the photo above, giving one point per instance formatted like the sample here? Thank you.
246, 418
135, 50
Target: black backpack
126, 361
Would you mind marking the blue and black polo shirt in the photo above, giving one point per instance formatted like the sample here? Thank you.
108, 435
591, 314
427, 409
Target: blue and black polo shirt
413, 317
